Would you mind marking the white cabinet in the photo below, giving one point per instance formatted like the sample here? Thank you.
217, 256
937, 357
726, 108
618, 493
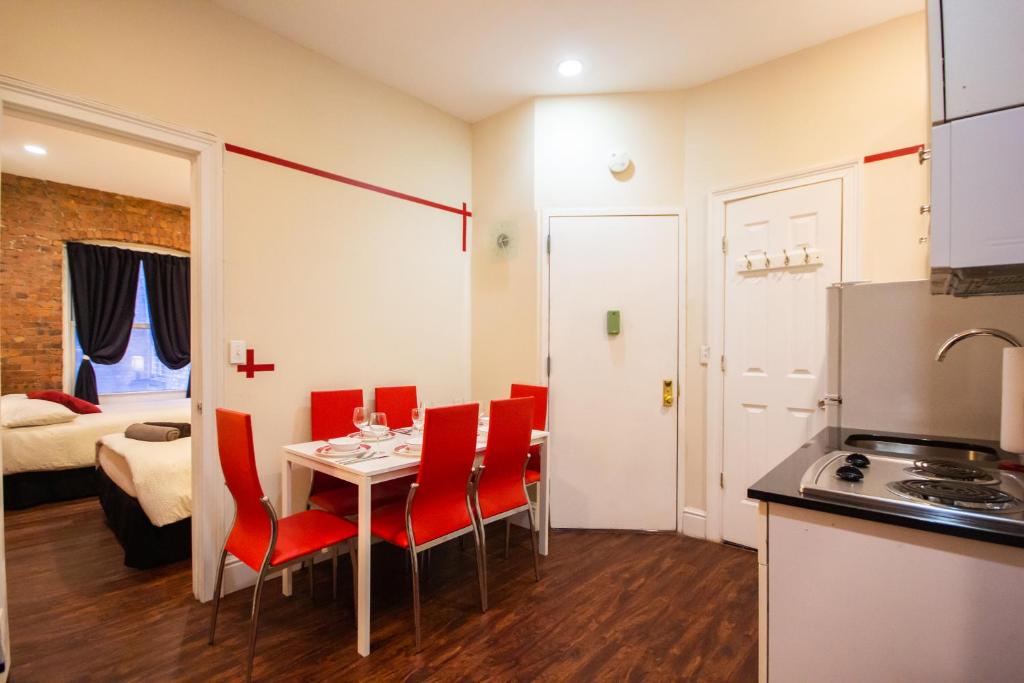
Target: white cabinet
977, 56
978, 191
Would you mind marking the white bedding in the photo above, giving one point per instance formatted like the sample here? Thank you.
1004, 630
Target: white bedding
161, 474
73, 444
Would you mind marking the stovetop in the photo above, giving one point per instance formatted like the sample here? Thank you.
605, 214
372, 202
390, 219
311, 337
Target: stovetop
958, 491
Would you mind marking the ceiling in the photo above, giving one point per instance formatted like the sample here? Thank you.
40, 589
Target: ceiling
85, 160
473, 58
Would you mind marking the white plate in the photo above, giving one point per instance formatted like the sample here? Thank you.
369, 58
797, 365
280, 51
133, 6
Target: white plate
329, 451
406, 452
370, 439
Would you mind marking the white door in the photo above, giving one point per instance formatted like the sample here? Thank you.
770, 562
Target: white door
775, 335
613, 440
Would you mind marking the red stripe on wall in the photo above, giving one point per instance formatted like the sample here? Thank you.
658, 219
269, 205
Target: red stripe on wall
893, 153
353, 182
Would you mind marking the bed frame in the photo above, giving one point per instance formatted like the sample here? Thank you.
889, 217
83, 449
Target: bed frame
145, 545
26, 489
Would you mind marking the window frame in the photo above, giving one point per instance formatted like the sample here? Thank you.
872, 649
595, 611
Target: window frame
68, 326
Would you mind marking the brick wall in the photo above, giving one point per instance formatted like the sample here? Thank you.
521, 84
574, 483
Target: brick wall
36, 218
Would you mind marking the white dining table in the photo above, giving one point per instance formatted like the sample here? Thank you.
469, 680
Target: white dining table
370, 472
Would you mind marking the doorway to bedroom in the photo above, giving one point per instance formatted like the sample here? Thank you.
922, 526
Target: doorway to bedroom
96, 357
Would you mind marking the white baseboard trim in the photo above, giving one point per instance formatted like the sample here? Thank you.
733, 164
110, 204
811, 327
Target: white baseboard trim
694, 522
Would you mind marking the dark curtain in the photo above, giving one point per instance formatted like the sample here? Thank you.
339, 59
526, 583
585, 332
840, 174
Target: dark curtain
168, 289
103, 286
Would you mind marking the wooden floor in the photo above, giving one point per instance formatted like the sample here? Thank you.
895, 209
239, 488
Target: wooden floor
610, 606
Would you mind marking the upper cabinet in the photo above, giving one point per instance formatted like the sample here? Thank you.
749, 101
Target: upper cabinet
977, 176
976, 50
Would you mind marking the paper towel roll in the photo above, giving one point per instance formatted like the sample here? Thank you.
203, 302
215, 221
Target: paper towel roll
1011, 425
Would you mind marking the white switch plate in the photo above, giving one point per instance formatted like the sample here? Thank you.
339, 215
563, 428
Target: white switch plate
236, 352
705, 354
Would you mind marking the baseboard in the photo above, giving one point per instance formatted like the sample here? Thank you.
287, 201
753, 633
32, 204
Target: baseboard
694, 522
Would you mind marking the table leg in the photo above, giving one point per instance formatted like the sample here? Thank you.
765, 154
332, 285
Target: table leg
363, 558
286, 508
543, 500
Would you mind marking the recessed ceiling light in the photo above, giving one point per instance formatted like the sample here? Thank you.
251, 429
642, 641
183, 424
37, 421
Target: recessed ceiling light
35, 149
570, 67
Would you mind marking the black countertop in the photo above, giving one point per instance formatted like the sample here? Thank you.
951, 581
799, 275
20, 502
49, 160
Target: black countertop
782, 485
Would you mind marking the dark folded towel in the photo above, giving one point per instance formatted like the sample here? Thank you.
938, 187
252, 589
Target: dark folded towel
147, 432
184, 428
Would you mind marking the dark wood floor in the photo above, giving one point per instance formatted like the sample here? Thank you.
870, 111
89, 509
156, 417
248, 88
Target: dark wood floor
611, 606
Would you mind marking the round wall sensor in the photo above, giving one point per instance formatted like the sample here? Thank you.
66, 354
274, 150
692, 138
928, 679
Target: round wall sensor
619, 162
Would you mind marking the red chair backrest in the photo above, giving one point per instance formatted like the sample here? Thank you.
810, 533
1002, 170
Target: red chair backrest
540, 403
449, 448
508, 444
250, 535
397, 403
330, 415
331, 412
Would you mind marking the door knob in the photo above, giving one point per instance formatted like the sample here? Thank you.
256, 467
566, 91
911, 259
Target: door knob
666, 393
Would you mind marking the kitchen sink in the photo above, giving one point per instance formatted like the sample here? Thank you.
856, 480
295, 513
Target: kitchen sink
922, 448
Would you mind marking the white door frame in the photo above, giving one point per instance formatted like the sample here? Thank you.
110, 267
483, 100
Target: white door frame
542, 323
206, 154
849, 173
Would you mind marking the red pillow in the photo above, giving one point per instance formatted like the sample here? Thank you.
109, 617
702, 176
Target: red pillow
72, 403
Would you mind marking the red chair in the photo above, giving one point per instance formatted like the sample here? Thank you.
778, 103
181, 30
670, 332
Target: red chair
331, 416
257, 537
397, 403
438, 508
501, 480
540, 423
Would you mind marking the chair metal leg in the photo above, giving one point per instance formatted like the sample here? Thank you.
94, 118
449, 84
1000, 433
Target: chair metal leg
216, 593
334, 574
415, 593
533, 540
508, 534
312, 563
254, 618
481, 562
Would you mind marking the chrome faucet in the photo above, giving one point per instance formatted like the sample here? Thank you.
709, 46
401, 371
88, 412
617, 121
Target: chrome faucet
976, 332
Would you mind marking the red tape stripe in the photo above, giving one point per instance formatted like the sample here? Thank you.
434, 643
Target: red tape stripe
893, 153
343, 179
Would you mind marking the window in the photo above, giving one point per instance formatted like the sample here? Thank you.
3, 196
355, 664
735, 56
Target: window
140, 370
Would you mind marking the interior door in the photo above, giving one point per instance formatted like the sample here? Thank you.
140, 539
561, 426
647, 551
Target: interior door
775, 335
614, 441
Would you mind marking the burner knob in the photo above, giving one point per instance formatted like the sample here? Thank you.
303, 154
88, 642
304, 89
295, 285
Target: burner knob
858, 460
849, 473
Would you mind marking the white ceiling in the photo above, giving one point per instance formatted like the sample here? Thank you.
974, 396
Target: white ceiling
473, 58
85, 160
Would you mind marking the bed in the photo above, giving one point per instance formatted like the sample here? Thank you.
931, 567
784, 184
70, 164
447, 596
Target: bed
145, 489
58, 462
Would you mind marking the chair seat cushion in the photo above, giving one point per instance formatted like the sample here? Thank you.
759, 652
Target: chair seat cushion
388, 523
532, 476
496, 499
344, 500
307, 532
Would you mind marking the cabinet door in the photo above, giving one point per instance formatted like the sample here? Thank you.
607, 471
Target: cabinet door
983, 54
986, 205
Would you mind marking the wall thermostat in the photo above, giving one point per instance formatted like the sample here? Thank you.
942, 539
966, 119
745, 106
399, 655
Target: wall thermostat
619, 162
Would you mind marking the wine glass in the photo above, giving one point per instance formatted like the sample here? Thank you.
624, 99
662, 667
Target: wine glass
359, 419
417, 418
379, 424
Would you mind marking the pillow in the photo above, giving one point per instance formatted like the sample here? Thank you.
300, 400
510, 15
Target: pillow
72, 403
32, 412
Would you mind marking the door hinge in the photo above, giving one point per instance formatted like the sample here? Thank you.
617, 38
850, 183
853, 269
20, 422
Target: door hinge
549, 243
723, 363
549, 366
725, 245
721, 480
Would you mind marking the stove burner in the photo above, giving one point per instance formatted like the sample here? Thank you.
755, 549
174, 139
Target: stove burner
957, 494
950, 469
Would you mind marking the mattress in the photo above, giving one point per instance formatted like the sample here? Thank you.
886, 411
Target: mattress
73, 444
157, 474
116, 468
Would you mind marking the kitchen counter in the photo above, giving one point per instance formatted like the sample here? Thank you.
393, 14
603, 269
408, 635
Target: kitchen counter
782, 485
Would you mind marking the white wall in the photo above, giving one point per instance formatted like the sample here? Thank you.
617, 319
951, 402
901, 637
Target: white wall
839, 101
338, 287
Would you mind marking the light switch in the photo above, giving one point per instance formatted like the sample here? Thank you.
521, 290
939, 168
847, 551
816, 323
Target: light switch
236, 352
705, 354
